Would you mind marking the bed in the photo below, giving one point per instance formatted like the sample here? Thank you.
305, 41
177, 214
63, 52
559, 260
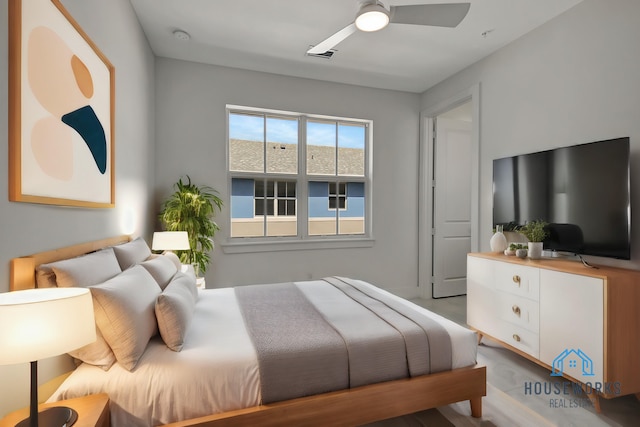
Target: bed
217, 369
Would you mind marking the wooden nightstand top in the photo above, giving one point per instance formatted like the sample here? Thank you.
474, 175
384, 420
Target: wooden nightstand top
93, 411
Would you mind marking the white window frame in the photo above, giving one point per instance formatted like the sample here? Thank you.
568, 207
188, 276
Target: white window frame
303, 240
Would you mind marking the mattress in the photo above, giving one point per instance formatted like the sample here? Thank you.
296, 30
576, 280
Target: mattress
216, 371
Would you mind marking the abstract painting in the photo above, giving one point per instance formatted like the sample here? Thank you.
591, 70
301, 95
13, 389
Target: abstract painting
61, 110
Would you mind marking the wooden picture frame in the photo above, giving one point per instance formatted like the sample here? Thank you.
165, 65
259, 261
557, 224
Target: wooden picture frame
61, 110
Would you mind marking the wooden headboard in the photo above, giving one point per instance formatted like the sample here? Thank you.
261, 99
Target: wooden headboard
23, 269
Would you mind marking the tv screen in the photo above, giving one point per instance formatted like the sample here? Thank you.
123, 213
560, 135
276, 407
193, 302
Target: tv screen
582, 191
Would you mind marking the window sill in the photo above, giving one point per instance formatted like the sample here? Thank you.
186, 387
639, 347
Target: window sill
238, 246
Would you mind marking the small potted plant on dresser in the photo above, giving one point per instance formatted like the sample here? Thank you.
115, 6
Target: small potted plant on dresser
535, 232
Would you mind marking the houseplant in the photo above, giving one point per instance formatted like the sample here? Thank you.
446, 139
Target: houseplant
535, 232
192, 208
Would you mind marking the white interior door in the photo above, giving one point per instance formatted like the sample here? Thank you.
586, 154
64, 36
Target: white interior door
452, 206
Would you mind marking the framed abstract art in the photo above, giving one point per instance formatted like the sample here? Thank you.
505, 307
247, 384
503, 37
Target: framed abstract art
61, 110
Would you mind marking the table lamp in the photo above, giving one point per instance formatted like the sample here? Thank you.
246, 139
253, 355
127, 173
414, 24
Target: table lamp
170, 241
42, 323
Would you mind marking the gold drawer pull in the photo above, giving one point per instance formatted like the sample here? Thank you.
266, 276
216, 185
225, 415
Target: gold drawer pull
516, 337
516, 310
516, 279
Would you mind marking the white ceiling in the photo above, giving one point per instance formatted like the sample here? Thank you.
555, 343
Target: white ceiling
273, 36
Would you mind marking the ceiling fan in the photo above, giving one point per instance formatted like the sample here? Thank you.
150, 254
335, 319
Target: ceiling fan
373, 16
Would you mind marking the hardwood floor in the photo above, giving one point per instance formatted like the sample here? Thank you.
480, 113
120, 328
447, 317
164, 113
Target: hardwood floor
519, 379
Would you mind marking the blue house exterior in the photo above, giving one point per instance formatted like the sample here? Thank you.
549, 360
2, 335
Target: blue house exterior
319, 201
242, 200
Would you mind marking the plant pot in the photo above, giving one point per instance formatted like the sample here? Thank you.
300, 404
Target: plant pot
521, 253
535, 250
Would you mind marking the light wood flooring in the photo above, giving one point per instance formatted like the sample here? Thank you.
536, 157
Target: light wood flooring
508, 373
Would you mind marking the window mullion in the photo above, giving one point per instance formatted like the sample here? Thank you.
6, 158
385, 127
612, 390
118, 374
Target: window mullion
302, 192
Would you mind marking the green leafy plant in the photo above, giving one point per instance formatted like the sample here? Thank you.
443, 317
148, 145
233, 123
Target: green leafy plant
192, 208
535, 231
516, 246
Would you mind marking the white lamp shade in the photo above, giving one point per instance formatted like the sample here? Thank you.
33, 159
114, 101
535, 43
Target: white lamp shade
47, 322
170, 241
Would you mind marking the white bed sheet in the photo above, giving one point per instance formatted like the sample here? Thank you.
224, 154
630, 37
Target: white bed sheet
216, 371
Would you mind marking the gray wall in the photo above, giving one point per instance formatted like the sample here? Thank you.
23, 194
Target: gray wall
571, 81
27, 228
191, 132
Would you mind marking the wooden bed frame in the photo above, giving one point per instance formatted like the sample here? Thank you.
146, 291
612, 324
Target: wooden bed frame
354, 406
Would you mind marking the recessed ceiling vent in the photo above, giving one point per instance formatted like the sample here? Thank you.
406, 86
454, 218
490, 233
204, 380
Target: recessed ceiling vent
326, 55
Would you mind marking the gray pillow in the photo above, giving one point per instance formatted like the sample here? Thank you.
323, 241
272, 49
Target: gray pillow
132, 253
161, 268
124, 308
188, 282
97, 353
174, 310
85, 270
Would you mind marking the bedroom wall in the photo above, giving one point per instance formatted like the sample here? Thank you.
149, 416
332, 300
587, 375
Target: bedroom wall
571, 81
27, 228
191, 132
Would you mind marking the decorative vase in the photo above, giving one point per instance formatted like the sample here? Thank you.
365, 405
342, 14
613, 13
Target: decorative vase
535, 250
498, 241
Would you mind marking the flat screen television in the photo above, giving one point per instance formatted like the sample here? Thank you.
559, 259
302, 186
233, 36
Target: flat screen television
582, 191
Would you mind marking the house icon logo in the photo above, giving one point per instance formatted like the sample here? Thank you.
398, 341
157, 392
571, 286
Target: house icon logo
571, 358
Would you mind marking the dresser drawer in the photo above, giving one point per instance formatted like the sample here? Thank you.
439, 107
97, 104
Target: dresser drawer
520, 338
519, 311
518, 280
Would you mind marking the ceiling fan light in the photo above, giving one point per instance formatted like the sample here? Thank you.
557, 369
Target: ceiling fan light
373, 17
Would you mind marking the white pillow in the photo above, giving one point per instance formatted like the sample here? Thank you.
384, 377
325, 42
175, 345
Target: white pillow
124, 308
174, 310
132, 253
85, 270
162, 269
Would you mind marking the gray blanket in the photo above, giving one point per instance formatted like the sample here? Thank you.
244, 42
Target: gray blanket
319, 336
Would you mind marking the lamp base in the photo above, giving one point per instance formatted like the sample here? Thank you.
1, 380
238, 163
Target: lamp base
58, 416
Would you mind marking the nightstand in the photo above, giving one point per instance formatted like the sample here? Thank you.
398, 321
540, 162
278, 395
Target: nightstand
93, 411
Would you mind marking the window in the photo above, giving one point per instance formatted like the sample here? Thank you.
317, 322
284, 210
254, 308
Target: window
297, 176
337, 195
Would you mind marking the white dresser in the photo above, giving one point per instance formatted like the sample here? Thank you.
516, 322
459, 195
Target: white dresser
582, 323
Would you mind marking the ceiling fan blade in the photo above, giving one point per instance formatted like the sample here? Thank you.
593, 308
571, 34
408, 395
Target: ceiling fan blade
332, 41
437, 15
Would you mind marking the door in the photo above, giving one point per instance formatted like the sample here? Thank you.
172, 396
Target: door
451, 228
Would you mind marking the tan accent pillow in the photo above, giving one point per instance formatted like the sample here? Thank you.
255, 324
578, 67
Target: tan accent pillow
162, 269
97, 353
85, 270
132, 253
124, 307
174, 310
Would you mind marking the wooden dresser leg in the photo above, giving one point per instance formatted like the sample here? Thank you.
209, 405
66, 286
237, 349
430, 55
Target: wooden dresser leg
476, 407
593, 397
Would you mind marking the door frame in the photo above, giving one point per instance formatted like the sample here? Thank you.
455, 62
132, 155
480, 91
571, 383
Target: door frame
425, 196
